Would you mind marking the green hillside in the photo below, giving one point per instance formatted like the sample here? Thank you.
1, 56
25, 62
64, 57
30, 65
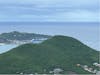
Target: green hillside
20, 36
58, 52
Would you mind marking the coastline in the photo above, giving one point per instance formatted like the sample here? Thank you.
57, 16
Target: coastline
6, 47
1, 44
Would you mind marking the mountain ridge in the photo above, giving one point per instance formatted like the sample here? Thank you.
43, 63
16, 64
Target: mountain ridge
57, 52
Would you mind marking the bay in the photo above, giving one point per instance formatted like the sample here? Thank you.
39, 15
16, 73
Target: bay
7, 47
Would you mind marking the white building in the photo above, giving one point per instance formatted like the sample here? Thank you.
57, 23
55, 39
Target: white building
96, 64
56, 71
98, 73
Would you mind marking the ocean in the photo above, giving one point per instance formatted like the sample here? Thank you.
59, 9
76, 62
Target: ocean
86, 32
5, 48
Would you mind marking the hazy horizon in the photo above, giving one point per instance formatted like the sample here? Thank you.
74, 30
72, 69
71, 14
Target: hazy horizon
87, 33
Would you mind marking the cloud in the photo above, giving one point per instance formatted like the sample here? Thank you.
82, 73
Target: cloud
87, 4
49, 10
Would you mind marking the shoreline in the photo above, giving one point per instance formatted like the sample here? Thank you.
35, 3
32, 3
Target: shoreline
1, 44
7, 47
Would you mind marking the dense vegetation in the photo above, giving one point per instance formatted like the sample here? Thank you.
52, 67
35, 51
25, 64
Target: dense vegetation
56, 52
7, 37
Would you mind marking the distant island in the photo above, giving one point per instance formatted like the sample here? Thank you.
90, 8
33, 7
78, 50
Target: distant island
57, 55
16, 37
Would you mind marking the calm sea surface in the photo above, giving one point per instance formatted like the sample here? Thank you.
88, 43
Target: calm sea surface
5, 48
86, 32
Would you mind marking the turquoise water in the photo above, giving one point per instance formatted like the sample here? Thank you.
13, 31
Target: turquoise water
5, 48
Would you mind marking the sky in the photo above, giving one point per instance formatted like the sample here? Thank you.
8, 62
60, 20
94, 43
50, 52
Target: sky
49, 10
53, 11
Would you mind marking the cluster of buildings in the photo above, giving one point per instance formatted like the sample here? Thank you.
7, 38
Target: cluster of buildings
96, 64
56, 71
91, 70
39, 40
19, 42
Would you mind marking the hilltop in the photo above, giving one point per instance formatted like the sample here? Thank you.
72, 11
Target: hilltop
57, 52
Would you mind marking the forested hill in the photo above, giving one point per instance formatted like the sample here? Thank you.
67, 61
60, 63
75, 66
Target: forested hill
57, 52
19, 36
